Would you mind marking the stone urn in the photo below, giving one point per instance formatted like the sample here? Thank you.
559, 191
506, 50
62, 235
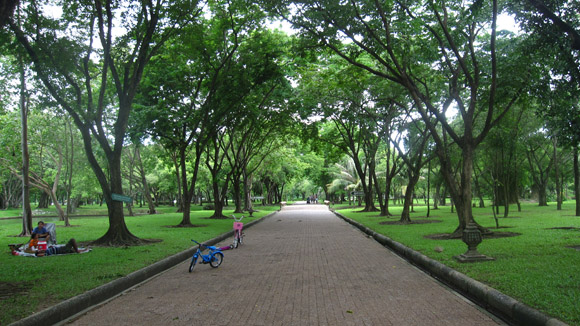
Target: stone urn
472, 238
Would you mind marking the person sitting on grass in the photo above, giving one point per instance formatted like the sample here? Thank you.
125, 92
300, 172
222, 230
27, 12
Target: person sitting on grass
70, 248
33, 243
41, 231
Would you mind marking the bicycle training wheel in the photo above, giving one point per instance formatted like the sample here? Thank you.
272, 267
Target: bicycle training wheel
216, 260
193, 262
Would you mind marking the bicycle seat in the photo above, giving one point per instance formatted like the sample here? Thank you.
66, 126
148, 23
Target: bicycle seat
211, 247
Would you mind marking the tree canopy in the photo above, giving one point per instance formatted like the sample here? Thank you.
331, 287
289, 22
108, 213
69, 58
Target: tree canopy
189, 101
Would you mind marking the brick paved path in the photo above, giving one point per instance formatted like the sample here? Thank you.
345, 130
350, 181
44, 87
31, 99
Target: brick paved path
302, 266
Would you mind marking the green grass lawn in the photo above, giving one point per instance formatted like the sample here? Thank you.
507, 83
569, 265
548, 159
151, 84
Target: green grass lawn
42, 282
537, 267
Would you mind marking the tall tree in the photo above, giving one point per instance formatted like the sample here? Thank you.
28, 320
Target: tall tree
340, 93
435, 51
500, 161
413, 156
557, 35
251, 97
541, 161
91, 61
175, 106
26, 210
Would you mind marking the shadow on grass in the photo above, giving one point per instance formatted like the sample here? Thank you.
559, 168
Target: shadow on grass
494, 235
11, 289
419, 221
572, 228
179, 226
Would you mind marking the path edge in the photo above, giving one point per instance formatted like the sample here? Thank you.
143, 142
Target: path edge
492, 300
83, 302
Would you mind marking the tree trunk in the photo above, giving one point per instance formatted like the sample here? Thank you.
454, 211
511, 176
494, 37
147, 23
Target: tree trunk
436, 198
43, 200
26, 209
189, 191
69, 204
58, 207
429, 190
146, 191
62, 216
542, 196
405, 215
282, 192
237, 195
118, 234
557, 175
248, 203
540, 173
577, 180
493, 207
130, 209
219, 199
506, 194
380, 196
366, 187
179, 179
478, 191
387, 194
218, 209
463, 202
369, 202
461, 194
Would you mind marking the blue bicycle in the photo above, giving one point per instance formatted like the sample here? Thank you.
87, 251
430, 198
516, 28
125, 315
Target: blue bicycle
214, 258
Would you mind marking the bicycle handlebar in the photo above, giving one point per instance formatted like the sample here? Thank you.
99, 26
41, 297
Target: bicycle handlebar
203, 246
237, 219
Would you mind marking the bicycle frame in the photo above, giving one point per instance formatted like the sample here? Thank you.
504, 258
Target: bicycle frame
238, 228
213, 258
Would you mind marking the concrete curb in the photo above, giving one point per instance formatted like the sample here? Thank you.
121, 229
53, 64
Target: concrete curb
75, 305
501, 305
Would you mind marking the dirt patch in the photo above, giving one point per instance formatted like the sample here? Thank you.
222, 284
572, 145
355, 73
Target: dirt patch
421, 221
415, 217
565, 228
9, 290
216, 218
574, 247
493, 235
347, 207
141, 242
502, 217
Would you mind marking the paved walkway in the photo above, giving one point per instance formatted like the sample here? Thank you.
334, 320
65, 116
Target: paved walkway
301, 266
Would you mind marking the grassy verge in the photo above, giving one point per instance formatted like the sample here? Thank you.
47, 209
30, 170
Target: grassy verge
537, 267
37, 283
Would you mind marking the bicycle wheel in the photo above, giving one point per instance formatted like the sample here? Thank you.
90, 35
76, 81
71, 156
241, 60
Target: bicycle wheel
236, 238
241, 238
216, 260
193, 262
